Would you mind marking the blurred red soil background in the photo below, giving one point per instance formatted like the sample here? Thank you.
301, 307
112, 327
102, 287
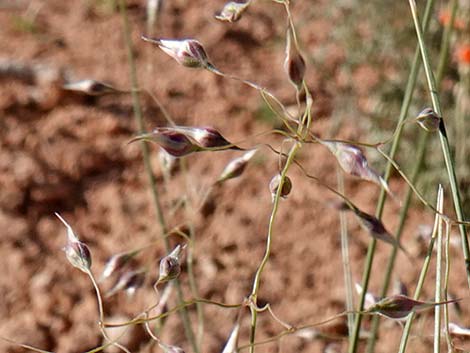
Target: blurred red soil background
63, 152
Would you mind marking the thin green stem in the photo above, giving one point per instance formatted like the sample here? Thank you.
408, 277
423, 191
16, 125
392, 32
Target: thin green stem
422, 277
139, 320
403, 213
438, 296
190, 258
446, 288
264, 261
25, 346
444, 52
410, 86
443, 138
101, 312
268, 98
295, 329
146, 157
348, 285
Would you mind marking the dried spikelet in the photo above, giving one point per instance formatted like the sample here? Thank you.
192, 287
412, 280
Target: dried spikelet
236, 166
374, 226
232, 11
76, 251
91, 88
175, 143
187, 52
352, 161
170, 266
116, 263
399, 306
180, 141
129, 282
206, 137
429, 120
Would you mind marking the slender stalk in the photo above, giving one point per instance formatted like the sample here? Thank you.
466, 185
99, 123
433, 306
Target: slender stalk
403, 213
411, 83
422, 277
264, 261
25, 346
190, 259
348, 285
101, 312
139, 320
446, 288
444, 52
146, 157
438, 296
443, 138
188, 208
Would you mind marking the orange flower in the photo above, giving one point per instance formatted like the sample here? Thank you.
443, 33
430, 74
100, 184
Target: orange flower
463, 54
444, 19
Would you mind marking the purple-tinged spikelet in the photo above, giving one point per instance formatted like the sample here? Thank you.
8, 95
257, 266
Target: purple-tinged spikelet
232, 11
77, 252
187, 52
429, 120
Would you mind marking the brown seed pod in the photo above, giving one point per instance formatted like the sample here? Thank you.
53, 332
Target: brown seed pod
274, 186
294, 64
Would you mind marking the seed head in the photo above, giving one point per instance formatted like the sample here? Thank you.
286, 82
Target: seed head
274, 186
76, 251
294, 65
116, 263
206, 137
375, 227
170, 267
129, 282
187, 52
236, 167
176, 143
400, 306
428, 120
90, 87
354, 162
232, 11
